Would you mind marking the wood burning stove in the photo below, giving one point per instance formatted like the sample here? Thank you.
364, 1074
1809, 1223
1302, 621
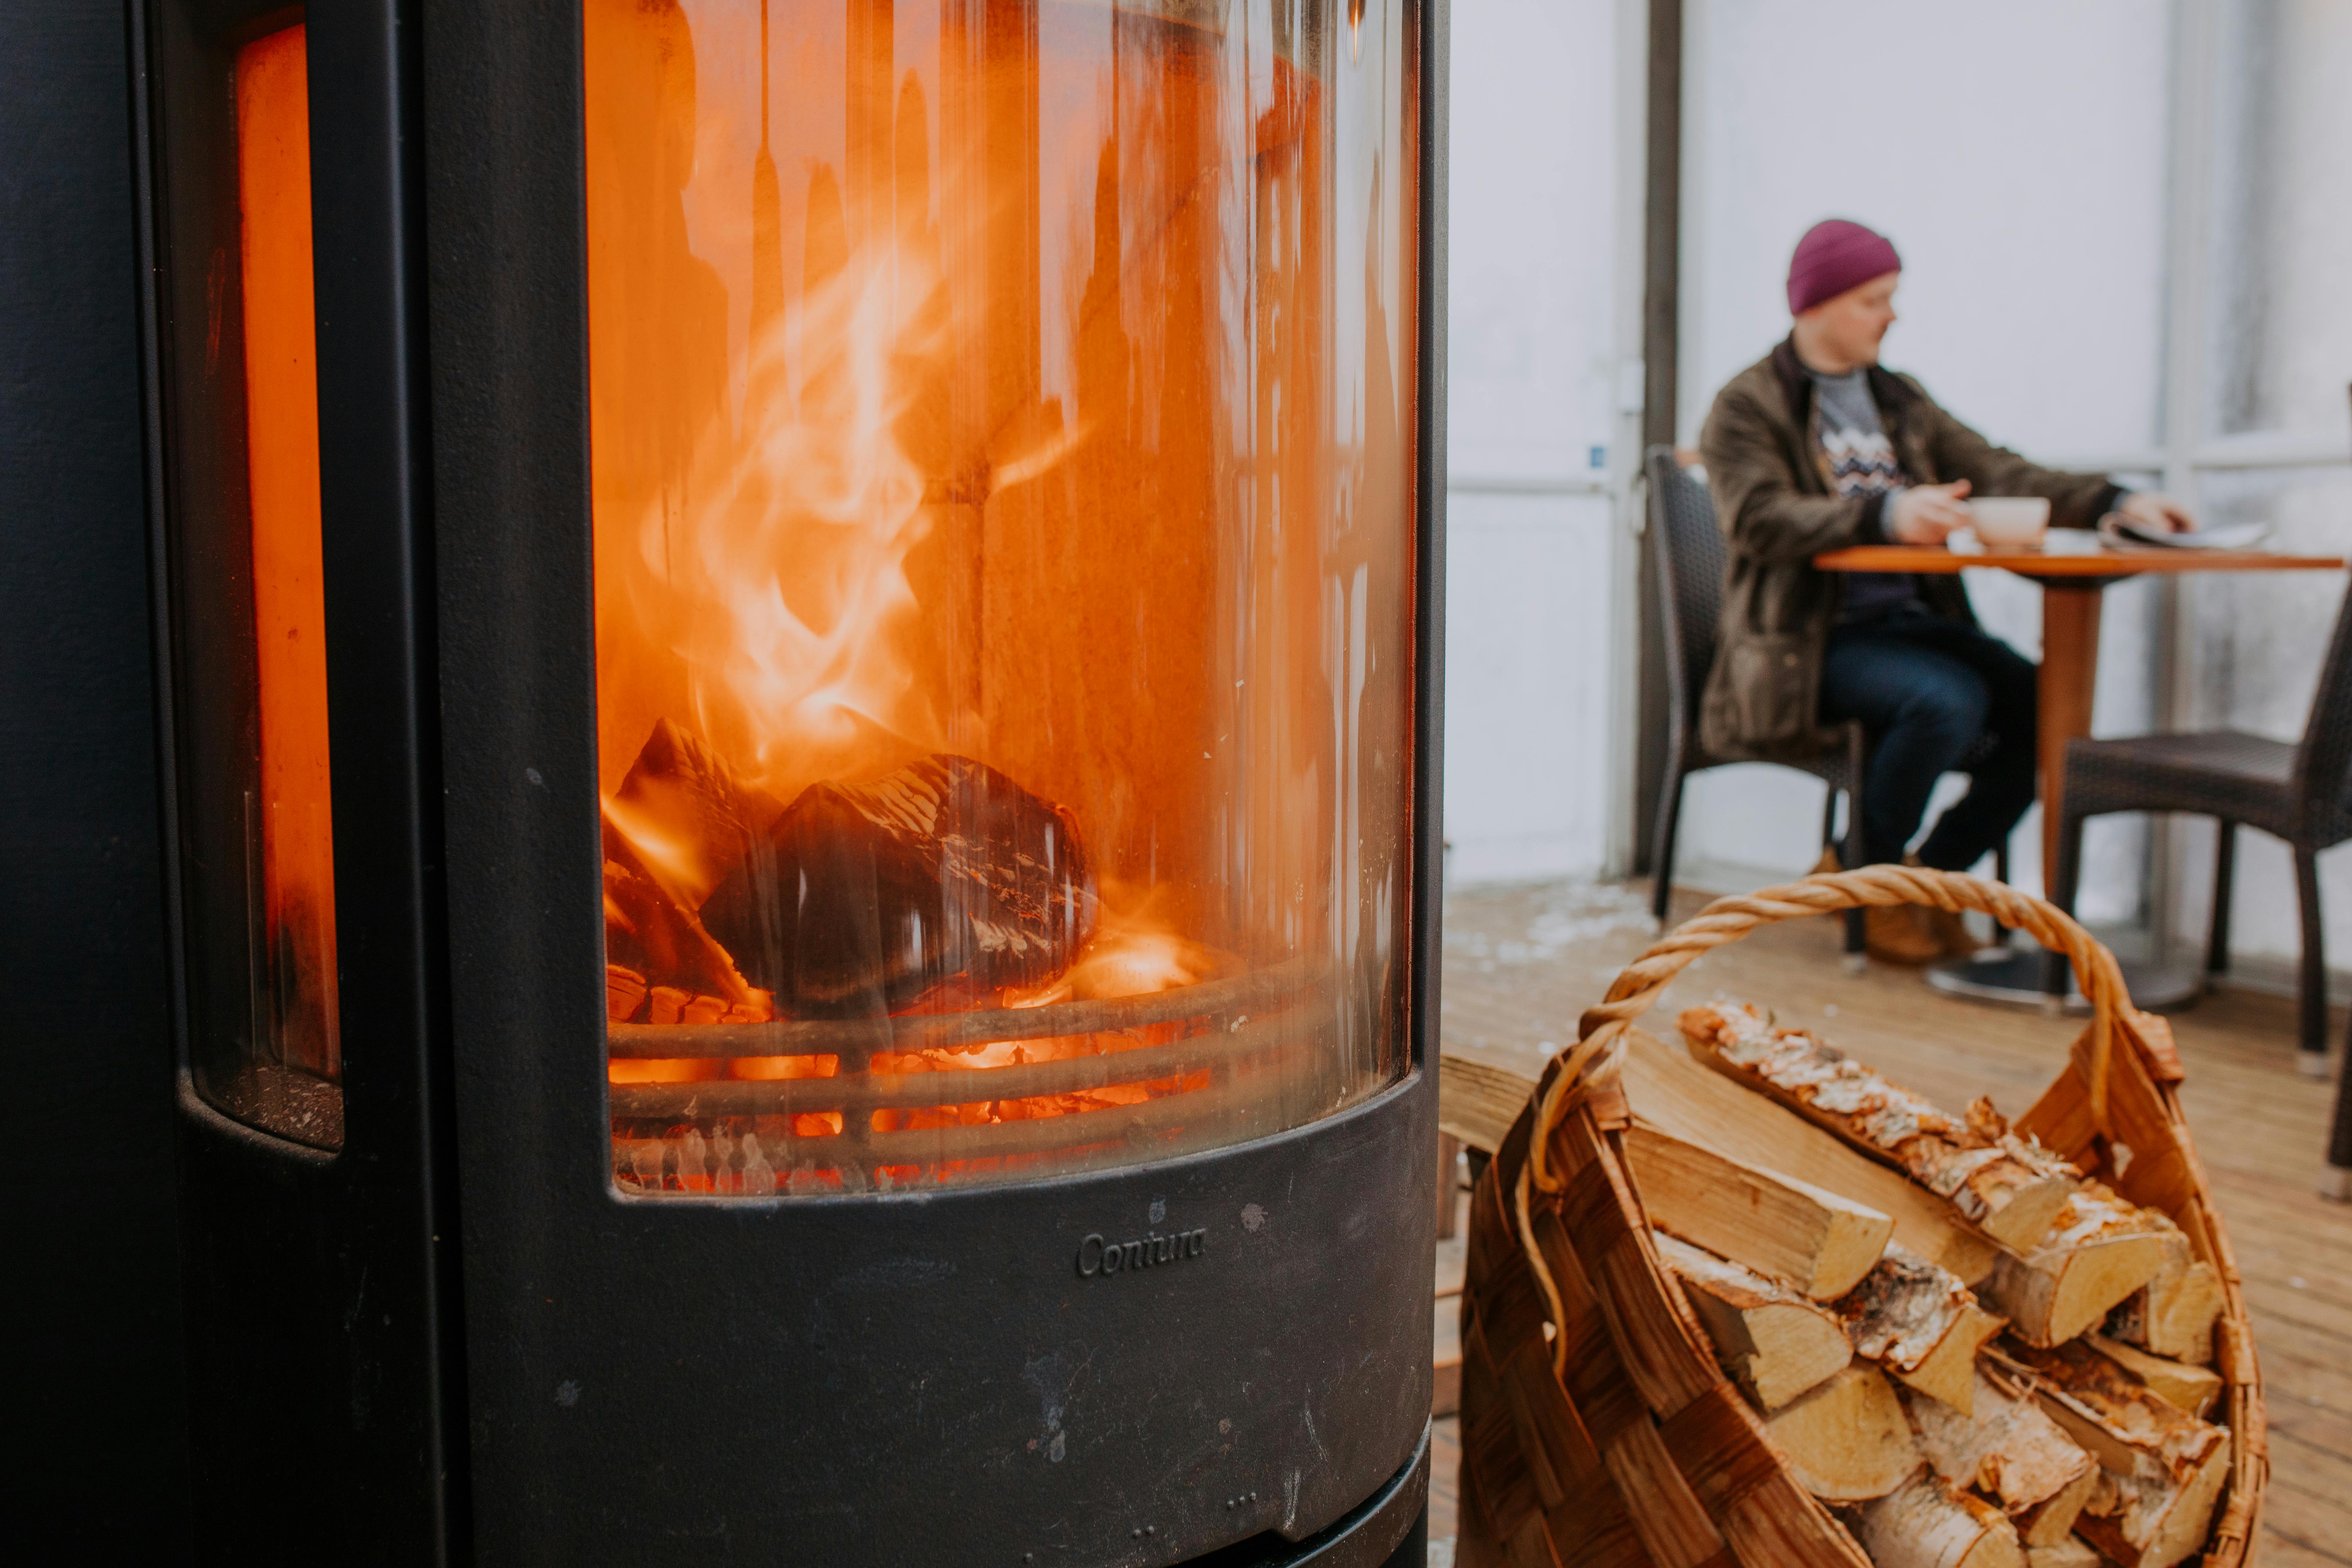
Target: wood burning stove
804, 650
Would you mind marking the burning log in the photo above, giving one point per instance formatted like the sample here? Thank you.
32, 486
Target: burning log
648, 934
1666, 1090
2101, 1250
940, 882
2012, 1452
2163, 1469
678, 818
685, 816
1847, 1440
2010, 1188
1921, 1325
1929, 1523
1773, 1342
624, 994
2194, 1389
1818, 1241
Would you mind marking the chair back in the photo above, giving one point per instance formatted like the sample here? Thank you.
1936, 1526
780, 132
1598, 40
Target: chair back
2323, 762
1691, 557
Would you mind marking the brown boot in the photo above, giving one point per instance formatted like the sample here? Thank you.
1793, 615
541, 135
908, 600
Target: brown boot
1894, 933
1948, 929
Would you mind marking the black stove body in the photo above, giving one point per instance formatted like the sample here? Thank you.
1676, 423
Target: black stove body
539, 1205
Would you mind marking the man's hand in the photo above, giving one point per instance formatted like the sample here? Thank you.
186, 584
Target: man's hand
1928, 514
2157, 513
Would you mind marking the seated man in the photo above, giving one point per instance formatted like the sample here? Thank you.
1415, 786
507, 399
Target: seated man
1816, 448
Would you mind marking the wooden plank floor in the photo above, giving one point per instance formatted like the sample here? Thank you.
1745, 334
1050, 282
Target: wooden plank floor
1522, 962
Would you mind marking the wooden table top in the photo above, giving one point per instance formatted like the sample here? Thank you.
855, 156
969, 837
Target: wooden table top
2087, 561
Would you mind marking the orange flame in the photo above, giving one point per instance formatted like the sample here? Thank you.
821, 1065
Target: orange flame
786, 583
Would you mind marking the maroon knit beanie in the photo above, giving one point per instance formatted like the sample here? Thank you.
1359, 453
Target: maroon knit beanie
1833, 257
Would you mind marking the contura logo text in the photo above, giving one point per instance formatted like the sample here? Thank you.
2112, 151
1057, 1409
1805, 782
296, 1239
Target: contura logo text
1098, 1259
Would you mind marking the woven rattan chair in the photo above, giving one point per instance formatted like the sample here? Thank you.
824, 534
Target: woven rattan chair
2301, 793
1691, 559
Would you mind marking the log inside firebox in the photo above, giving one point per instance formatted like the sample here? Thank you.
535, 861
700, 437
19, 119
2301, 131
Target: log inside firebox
647, 933
680, 794
938, 883
678, 820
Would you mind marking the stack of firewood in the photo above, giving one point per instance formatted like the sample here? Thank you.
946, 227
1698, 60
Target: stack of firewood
1974, 1354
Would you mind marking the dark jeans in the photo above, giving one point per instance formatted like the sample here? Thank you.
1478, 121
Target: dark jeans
1925, 690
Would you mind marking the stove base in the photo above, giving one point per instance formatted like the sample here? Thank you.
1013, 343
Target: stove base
1388, 1529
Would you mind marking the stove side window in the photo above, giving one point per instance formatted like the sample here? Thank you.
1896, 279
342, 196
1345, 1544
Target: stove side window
249, 639
1001, 422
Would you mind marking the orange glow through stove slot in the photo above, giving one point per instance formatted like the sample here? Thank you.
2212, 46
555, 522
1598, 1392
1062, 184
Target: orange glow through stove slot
291, 815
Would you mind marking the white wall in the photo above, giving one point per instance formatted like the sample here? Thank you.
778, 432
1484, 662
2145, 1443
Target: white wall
2014, 151
1533, 549
1528, 762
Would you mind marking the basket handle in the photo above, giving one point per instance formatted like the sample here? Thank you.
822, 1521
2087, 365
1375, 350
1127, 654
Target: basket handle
1600, 1032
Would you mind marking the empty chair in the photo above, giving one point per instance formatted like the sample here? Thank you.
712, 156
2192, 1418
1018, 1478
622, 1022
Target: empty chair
2293, 791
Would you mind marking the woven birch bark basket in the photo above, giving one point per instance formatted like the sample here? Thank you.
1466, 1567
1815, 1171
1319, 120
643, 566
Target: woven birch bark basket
1599, 1425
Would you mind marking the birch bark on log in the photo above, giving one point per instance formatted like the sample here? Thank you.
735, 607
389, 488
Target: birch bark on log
2012, 1452
1667, 1089
1774, 1342
1919, 1322
2010, 1188
2100, 1252
2070, 1553
1931, 1524
2162, 1469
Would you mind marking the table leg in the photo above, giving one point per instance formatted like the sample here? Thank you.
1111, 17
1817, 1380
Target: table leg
2070, 670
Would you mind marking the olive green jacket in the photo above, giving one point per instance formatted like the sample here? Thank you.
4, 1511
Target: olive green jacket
1773, 499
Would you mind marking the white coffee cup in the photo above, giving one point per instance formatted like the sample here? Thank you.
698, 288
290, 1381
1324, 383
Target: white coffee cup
2010, 521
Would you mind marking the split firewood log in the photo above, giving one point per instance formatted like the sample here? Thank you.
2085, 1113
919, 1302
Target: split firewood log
667, 1004
2008, 1186
2173, 1314
2101, 1251
1921, 1325
679, 821
2162, 1470
691, 817
647, 932
1848, 1439
624, 994
1930, 1523
1665, 1090
2191, 1388
1818, 1242
943, 881
2071, 1552
2013, 1451
1774, 1342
